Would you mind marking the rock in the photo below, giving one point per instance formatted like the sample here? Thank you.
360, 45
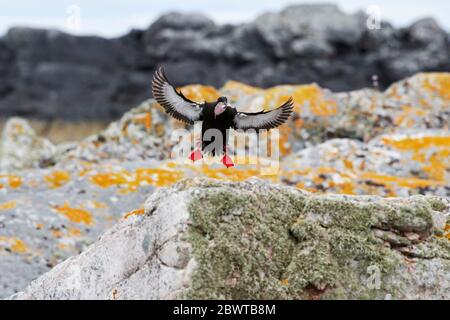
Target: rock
57, 201
48, 215
20, 147
419, 102
50, 74
205, 239
428, 41
389, 165
427, 31
142, 133
54, 73
308, 23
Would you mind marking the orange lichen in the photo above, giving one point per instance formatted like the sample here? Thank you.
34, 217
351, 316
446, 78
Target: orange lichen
76, 215
240, 88
14, 244
200, 93
433, 152
62, 246
171, 165
437, 165
408, 115
302, 186
417, 143
131, 181
313, 96
231, 174
285, 282
57, 233
439, 84
447, 231
74, 232
13, 181
306, 98
346, 187
17, 129
57, 179
98, 204
285, 133
39, 226
135, 212
348, 164
145, 120
323, 178
84, 172
8, 205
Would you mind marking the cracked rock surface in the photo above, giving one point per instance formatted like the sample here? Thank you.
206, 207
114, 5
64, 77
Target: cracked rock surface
204, 238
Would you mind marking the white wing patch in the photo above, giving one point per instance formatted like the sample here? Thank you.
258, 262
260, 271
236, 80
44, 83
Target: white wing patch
175, 103
264, 120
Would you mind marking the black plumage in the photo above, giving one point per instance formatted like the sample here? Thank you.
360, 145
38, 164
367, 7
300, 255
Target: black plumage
218, 115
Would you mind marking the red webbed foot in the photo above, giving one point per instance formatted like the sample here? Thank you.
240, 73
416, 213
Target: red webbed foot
226, 160
196, 155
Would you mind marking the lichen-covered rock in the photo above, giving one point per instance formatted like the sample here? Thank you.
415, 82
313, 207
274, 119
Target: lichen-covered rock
49, 215
141, 133
392, 143
208, 239
390, 165
419, 102
21, 148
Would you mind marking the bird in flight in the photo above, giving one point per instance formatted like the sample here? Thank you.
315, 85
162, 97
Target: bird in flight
216, 116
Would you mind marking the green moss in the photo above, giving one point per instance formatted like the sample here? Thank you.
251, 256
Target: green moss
414, 216
283, 244
246, 247
437, 204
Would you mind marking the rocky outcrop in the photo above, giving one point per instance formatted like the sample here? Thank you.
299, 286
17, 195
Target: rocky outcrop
55, 200
389, 165
50, 74
412, 105
208, 239
48, 215
21, 148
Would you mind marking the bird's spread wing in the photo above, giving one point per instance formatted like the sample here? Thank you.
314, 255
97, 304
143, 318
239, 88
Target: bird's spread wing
173, 101
264, 119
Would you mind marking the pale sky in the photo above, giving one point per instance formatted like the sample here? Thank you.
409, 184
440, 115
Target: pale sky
112, 18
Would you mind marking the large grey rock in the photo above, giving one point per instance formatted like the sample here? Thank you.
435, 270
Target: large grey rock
206, 239
50, 74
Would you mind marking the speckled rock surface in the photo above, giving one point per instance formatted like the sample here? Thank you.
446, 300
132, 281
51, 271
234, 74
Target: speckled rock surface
208, 239
49, 215
21, 148
404, 164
